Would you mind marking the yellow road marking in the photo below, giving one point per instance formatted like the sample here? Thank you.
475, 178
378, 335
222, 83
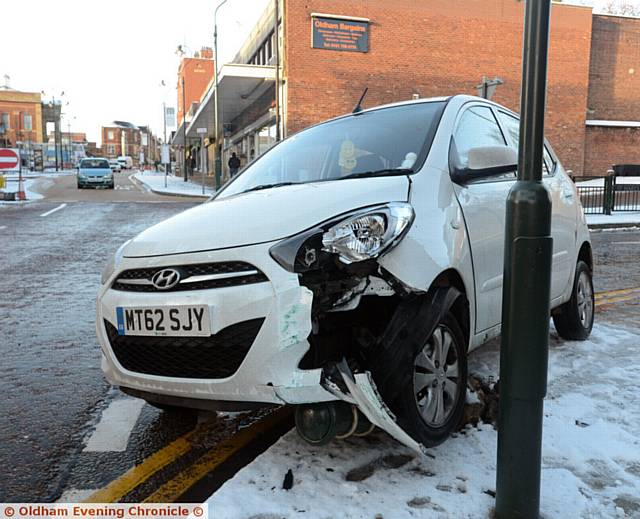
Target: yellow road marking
133, 477
620, 299
609, 293
184, 480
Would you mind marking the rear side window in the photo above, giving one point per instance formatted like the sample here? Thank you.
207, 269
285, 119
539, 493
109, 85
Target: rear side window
477, 127
512, 124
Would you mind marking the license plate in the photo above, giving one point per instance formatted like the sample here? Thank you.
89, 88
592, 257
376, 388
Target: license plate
178, 321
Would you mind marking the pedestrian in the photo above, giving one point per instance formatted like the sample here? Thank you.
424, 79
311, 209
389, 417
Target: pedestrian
234, 164
193, 163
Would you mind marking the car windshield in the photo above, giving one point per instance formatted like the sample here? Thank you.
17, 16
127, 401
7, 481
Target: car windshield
94, 164
386, 141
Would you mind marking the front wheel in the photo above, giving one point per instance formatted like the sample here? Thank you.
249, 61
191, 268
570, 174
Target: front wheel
574, 319
430, 404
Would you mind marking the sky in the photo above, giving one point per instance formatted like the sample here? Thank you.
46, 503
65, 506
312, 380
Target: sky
109, 58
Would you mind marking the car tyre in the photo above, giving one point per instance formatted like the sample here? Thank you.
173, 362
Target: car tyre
430, 402
574, 319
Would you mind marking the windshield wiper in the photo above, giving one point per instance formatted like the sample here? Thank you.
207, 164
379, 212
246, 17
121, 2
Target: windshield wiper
269, 186
380, 173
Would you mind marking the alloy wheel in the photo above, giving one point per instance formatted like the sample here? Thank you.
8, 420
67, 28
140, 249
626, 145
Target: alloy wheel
585, 300
435, 377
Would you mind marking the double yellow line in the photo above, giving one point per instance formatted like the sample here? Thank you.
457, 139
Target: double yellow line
174, 488
616, 296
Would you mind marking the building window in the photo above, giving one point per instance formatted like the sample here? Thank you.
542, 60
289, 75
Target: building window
6, 121
27, 123
111, 149
110, 136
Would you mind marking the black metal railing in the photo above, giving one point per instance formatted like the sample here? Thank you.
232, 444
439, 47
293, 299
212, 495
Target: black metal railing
612, 195
592, 198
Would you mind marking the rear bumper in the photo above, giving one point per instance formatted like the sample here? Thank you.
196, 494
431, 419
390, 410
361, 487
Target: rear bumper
269, 371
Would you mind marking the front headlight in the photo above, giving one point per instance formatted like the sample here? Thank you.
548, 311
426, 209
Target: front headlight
358, 236
366, 235
113, 263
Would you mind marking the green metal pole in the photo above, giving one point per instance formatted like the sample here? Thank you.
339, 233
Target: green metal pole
527, 279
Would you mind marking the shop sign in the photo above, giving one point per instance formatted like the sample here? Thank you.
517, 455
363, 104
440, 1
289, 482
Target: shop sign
343, 34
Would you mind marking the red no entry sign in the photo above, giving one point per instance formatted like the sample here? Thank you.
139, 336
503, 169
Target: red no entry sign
8, 158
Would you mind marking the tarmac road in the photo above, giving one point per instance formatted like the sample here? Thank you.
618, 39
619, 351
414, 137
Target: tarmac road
50, 379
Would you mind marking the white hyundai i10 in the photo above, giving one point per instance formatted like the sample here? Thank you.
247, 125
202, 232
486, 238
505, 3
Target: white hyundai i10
349, 270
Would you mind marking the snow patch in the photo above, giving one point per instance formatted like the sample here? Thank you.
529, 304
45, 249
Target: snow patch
591, 453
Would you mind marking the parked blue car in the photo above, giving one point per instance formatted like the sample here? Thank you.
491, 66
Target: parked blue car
95, 172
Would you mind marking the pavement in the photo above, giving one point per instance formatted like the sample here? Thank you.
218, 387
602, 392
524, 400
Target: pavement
159, 183
70, 436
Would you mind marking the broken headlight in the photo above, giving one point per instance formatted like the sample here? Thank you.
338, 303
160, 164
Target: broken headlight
358, 236
367, 234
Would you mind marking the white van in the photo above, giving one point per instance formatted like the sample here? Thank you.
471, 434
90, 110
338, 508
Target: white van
352, 267
126, 162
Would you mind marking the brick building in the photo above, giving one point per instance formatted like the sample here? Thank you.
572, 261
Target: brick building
195, 73
403, 49
613, 111
126, 139
20, 117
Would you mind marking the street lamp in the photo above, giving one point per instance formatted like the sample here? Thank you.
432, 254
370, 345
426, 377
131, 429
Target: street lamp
218, 163
181, 52
528, 250
164, 124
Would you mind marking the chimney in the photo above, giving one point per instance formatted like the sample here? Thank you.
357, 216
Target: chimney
206, 53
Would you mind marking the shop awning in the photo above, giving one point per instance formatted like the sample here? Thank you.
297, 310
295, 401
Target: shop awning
239, 87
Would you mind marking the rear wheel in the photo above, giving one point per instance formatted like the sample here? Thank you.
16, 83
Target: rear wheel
574, 319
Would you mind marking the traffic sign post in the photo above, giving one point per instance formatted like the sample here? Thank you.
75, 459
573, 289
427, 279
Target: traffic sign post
525, 297
10, 161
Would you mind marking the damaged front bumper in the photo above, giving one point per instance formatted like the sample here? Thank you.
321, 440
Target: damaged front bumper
359, 389
269, 372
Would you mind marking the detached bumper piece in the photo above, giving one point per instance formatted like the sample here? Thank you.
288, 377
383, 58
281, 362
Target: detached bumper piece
214, 357
362, 391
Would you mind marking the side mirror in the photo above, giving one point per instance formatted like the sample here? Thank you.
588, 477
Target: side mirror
483, 162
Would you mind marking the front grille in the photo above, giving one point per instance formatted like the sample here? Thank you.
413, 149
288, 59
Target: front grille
216, 356
229, 273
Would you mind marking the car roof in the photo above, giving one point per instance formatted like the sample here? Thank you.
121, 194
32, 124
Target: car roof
457, 99
94, 158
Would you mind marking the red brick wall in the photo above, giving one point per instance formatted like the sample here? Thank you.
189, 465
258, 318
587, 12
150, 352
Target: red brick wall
605, 146
434, 48
614, 74
197, 73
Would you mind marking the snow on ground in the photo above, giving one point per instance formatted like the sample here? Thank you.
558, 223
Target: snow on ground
154, 181
614, 219
599, 182
591, 453
29, 190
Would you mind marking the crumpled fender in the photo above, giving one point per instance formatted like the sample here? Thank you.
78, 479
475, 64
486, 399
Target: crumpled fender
416, 317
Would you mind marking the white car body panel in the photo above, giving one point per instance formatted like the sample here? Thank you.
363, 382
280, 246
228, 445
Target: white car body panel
262, 216
456, 228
